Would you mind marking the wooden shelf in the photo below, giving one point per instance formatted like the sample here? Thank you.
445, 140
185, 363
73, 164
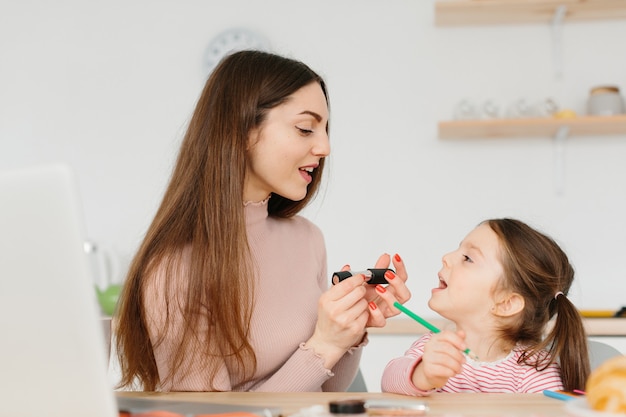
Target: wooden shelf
532, 127
485, 12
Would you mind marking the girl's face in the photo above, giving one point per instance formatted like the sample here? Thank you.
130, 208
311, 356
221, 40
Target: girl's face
468, 278
288, 146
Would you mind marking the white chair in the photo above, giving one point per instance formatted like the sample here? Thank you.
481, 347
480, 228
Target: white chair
600, 352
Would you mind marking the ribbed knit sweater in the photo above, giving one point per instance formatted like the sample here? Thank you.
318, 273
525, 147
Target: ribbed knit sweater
290, 257
504, 375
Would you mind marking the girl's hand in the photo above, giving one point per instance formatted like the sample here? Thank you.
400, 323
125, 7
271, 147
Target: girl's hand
383, 296
442, 359
342, 314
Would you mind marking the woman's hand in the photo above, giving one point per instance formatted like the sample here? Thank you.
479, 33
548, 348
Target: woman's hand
342, 314
381, 297
442, 359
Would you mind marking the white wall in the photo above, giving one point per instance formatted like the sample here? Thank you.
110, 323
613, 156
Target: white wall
108, 88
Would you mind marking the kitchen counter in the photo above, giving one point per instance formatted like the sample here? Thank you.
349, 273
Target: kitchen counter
404, 326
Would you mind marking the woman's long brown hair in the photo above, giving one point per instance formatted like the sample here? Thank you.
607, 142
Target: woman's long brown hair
537, 268
202, 209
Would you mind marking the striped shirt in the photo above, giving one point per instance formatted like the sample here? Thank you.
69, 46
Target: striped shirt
504, 375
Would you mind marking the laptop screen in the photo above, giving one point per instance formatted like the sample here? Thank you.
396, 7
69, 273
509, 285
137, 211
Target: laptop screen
52, 355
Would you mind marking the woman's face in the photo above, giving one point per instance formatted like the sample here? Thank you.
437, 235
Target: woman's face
288, 146
468, 277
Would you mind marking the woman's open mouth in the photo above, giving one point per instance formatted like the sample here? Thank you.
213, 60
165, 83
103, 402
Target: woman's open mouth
307, 173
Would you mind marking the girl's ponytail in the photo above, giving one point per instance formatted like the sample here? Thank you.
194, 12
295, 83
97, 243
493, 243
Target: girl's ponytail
567, 341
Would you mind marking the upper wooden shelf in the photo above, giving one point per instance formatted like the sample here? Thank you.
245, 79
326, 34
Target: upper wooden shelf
543, 127
485, 12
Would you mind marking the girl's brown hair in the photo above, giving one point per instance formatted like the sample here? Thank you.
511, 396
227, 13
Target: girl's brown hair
202, 209
537, 268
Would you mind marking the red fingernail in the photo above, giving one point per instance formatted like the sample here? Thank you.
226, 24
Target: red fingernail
381, 289
389, 275
373, 305
397, 258
346, 267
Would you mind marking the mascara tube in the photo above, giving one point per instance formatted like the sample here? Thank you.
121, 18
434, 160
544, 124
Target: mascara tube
377, 275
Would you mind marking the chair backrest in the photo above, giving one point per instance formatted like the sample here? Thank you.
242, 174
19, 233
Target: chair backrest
600, 352
358, 385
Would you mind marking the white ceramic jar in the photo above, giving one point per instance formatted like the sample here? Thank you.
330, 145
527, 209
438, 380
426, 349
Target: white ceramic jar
605, 101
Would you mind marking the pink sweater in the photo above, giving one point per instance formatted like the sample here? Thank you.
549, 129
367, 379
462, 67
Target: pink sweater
290, 256
505, 375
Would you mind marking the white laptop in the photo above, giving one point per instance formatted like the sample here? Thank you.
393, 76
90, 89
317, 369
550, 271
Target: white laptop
53, 360
52, 350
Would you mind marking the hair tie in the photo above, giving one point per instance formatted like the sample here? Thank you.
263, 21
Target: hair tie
558, 293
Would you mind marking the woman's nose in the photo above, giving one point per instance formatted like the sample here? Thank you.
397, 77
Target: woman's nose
321, 146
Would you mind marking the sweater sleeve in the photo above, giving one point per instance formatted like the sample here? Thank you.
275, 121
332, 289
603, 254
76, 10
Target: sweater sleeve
289, 378
346, 369
192, 374
397, 376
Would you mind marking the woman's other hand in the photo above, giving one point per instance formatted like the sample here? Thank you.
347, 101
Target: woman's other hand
381, 297
343, 312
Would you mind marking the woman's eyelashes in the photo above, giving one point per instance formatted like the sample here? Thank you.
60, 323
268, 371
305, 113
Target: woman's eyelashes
304, 131
467, 259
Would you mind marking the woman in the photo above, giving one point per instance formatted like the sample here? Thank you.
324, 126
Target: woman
228, 290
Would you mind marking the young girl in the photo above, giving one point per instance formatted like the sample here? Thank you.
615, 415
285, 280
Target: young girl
500, 288
229, 289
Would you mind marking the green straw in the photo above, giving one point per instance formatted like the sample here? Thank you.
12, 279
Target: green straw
428, 325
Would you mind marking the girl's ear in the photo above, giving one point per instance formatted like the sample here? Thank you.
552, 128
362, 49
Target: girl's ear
512, 304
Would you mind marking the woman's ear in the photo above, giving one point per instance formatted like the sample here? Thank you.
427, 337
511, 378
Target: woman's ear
509, 306
253, 137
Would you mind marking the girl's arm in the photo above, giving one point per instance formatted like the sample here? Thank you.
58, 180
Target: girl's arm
398, 374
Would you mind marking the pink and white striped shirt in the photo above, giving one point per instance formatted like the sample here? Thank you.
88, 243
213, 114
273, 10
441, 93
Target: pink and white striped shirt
504, 375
